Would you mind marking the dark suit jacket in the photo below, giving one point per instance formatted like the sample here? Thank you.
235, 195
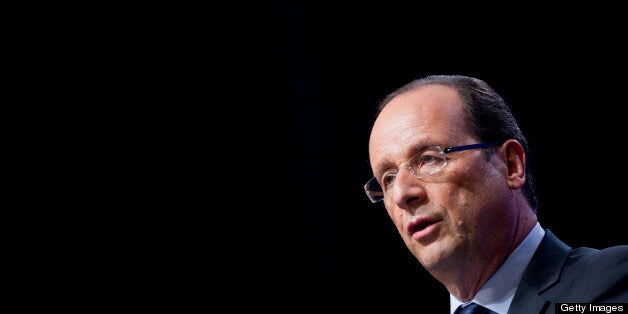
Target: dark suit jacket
560, 274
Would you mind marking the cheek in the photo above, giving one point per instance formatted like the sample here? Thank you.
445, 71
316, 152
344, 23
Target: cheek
472, 186
460, 201
479, 201
454, 196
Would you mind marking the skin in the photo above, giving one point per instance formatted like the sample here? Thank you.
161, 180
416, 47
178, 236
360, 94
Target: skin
474, 207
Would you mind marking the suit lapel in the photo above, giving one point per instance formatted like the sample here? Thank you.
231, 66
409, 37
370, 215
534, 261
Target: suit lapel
543, 271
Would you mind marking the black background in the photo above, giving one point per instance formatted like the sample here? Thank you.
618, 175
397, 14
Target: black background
248, 143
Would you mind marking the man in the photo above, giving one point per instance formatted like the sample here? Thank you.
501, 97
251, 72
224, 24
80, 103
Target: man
449, 163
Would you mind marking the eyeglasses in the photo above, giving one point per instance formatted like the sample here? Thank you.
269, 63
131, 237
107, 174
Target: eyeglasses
425, 163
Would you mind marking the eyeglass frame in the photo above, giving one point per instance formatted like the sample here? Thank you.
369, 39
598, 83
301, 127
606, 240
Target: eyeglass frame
445, 151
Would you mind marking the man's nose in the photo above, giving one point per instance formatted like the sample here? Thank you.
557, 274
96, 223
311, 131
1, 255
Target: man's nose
408, 189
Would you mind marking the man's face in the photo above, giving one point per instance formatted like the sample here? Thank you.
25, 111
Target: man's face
463, 212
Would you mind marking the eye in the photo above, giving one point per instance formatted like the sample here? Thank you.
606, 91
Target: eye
388, 179
427, 162
427, 158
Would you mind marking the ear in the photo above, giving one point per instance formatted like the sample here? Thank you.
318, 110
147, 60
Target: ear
515, 163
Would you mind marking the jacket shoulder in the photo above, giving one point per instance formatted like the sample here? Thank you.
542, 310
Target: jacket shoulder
599, 275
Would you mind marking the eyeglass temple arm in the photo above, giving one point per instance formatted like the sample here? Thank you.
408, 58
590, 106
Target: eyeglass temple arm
472, 146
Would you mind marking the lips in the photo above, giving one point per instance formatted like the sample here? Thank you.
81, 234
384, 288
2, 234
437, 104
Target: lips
421, 227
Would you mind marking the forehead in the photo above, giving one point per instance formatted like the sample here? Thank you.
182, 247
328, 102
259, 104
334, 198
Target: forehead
431, 114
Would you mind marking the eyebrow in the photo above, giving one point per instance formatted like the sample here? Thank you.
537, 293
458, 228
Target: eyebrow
381, 167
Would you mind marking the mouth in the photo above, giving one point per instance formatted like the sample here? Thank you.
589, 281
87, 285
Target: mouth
422, 227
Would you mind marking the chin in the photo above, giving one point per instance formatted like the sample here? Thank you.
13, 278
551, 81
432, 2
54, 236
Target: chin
438, 255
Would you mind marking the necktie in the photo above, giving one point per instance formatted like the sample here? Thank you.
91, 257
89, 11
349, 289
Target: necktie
473, 308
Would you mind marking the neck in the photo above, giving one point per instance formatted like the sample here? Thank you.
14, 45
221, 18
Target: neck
475, 268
